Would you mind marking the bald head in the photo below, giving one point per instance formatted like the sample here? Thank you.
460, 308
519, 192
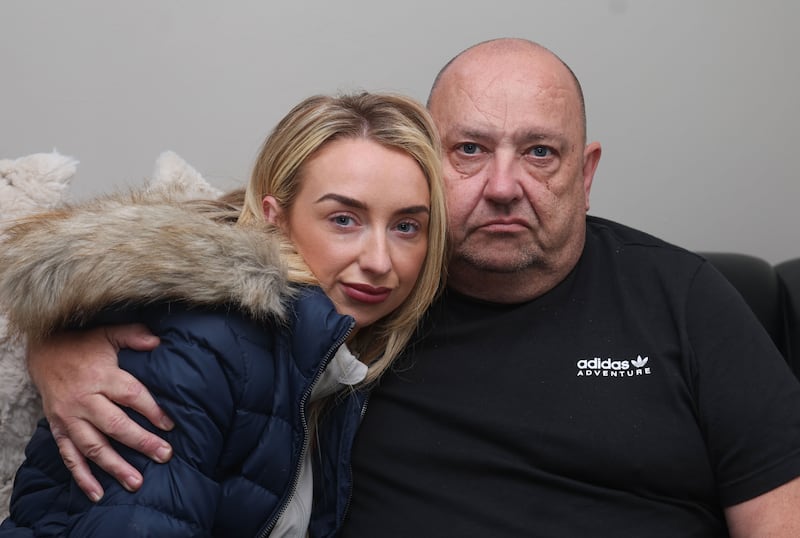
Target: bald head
493, 59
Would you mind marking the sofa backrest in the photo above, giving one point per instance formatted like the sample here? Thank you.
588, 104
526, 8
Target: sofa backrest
789, 278
773, 293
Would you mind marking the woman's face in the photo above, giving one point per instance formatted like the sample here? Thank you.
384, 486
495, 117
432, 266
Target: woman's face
360, 221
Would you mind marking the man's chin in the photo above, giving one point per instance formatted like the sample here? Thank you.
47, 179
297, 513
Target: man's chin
503, 262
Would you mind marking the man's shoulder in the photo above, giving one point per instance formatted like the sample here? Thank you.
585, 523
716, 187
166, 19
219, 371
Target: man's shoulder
627, 240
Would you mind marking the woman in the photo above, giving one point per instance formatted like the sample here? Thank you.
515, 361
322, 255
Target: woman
260, 323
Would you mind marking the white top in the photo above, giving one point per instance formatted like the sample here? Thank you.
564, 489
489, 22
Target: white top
344, 369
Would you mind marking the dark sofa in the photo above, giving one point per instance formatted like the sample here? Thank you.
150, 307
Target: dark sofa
772, 291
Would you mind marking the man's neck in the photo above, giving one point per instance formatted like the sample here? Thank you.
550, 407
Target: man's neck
510, 287
507, 288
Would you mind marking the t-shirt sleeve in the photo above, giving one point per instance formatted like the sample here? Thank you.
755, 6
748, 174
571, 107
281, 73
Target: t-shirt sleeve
747, 397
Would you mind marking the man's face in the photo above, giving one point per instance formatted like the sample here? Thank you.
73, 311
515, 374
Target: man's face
513, 140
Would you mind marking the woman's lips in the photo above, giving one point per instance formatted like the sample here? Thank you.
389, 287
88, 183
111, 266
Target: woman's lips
366, 294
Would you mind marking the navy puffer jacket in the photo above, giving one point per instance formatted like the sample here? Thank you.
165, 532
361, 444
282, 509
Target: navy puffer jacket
236, 389
239, 356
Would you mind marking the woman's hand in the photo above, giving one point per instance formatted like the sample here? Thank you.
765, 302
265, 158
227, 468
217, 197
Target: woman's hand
82, 388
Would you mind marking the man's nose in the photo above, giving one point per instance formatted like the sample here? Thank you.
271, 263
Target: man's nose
503, 181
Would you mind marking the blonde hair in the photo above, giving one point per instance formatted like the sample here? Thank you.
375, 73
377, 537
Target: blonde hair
394, 122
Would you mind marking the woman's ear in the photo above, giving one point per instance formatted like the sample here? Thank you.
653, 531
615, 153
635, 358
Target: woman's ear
272, 211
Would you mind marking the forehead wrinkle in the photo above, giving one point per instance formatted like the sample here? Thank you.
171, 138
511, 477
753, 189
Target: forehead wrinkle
492, 99
482, 95
494, 92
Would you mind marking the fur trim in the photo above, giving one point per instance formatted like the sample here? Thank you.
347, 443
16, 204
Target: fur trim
27, 184
61, 268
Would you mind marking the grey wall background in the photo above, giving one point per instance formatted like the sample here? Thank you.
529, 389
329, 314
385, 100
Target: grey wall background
694, 101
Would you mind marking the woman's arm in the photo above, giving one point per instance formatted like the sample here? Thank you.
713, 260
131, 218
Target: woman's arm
82, 388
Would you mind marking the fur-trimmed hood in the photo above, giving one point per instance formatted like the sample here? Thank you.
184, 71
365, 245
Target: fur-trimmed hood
62, 267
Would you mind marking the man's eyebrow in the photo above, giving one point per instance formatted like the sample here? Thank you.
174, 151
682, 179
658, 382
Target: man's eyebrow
470, 133
531, 135
352, 202
540, 134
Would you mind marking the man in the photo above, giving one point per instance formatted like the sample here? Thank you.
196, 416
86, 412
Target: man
578, 378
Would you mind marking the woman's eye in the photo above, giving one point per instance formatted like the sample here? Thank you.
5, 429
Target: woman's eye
408, 227
342, 220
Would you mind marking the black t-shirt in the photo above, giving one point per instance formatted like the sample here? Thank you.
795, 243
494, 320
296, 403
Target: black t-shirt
637, 398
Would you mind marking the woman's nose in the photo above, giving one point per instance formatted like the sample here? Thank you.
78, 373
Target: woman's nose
375, 257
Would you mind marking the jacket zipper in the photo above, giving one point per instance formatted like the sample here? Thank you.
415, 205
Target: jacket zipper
325, 360
350, 464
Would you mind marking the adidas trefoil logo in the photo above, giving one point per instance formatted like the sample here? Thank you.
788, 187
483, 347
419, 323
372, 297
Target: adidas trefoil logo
639, 362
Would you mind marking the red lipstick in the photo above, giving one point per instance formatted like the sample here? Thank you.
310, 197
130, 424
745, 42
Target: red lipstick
366, 294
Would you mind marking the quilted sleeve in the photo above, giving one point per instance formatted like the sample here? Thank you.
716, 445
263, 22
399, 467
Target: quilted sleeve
196, 380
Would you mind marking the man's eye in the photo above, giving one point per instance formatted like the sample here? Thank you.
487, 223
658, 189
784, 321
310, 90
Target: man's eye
540, 151
469, 148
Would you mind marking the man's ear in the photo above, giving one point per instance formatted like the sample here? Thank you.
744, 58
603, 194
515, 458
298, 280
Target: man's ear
591, 158
272, 211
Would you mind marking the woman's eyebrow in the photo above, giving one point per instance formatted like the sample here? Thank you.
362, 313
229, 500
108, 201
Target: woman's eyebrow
352, 202
414, 209
345, 200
